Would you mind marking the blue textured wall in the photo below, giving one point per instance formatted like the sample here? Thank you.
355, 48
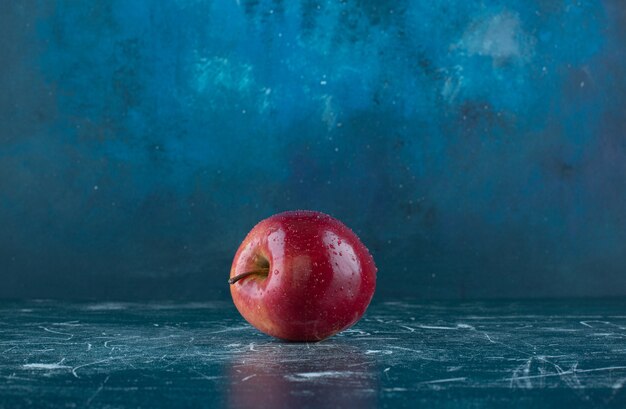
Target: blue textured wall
478, 148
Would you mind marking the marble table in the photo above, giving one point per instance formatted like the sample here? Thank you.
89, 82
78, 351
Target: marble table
402, 354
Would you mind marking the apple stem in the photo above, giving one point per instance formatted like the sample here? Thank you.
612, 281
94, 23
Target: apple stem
262, 271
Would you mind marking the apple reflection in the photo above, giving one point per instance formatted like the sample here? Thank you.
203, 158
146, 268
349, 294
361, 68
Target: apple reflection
302, 376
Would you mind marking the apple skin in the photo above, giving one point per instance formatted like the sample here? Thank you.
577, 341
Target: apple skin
316, 279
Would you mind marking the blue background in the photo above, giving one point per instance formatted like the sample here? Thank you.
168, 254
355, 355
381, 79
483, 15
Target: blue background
478, 148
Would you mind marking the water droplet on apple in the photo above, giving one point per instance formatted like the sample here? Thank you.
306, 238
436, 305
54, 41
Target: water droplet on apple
276, 272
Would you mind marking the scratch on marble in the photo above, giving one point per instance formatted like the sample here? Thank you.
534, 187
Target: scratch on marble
460, 379
619, 384
178, 358
58, 333
314, 375
386, 372
376, 351
42, 366
100, 388
376, 338
608, 368
107, 306
10, 349
525, 368
457, 326
568, 372
586, 323
205, 376
74, 323
17, 378
228, 330
558, 329
90, 364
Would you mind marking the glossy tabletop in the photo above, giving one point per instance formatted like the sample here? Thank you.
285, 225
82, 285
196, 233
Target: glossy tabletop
562, 353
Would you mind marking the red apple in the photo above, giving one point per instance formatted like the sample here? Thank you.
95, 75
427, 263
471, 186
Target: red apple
302, 276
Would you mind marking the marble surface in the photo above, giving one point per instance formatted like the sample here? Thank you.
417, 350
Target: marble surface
562, 353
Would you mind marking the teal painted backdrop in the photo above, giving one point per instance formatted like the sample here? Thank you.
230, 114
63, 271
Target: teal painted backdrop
478, 148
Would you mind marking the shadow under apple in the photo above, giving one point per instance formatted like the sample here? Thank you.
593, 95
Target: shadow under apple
282, 375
